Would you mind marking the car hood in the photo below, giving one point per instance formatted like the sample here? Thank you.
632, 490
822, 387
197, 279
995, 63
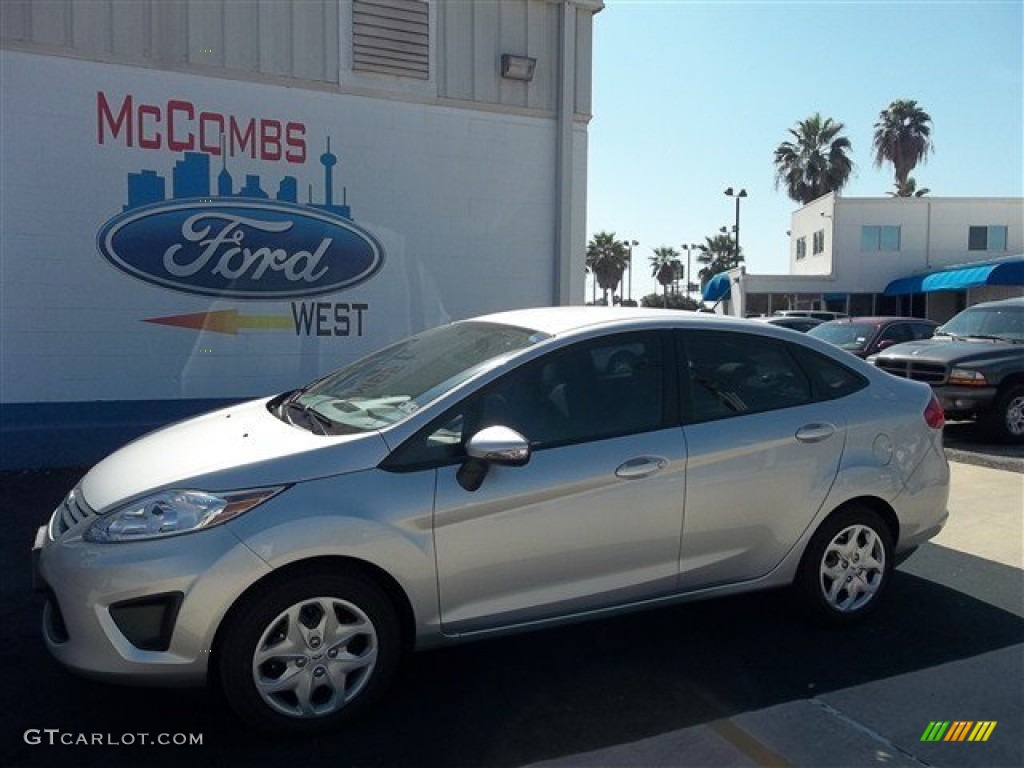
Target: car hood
949, 350
244, 446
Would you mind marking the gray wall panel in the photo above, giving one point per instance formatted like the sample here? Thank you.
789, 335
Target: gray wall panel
51, 22
275, 38
91, 27
131, 29
15, 20
242, 41
205, 29
301, 39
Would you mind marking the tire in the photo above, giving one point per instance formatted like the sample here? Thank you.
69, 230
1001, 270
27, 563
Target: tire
847, 567
1005, 422
308, 651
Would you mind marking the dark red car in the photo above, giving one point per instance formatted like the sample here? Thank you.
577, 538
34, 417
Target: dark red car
866, 336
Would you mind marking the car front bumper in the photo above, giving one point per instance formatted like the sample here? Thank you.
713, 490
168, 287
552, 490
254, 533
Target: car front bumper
140, 612
965, 399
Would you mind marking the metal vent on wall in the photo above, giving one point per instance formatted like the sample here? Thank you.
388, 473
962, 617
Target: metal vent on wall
392, 37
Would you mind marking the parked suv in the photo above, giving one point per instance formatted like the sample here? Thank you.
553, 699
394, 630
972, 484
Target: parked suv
975, 364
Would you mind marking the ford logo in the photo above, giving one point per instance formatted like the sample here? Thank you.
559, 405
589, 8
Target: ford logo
240, 249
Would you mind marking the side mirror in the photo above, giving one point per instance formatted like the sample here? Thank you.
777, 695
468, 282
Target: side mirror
499, 445
885, 344
492, 445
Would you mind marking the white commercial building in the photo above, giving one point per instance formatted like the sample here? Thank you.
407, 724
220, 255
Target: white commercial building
208, 201
912, 256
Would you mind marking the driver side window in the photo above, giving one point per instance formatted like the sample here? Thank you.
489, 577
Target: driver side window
587, 391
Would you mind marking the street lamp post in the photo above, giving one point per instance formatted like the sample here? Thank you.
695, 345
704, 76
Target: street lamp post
630, 244
742, 193
689, 279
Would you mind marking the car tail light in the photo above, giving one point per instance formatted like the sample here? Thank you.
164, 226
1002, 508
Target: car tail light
934, 415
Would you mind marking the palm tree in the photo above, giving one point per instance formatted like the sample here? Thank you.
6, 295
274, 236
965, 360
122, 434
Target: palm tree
903, 138
718, 253
665, 265
909, 189
815, 162
607, 259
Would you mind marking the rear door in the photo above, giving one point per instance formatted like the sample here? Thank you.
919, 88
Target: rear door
763, 449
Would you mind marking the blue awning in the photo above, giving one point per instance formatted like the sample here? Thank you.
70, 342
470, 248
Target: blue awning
717, 287
1006, 272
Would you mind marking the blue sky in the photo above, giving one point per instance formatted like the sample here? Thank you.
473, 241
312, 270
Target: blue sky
692, 97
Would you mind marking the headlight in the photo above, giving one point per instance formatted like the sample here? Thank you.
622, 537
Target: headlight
172, 512
966, 377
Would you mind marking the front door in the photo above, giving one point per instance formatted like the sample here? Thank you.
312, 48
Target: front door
594, 519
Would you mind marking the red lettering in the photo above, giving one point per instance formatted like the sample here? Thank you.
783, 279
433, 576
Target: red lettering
270, 140
295, 138
144, 142
205, 144
240, 141
173, 142
185, 130
105, 117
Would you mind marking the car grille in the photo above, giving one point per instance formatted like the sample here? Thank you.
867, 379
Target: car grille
930, 373
70, 513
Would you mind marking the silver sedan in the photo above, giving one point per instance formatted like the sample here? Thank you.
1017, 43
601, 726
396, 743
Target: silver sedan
489, 476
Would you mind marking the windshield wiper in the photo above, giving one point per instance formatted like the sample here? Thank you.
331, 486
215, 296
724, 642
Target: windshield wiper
323, 424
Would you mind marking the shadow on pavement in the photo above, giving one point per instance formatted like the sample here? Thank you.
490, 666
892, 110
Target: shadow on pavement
515, 700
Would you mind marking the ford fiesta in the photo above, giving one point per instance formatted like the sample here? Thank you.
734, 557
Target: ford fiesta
492, 475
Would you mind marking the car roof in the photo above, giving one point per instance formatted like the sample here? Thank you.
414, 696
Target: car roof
1016, 301
880, 319
561, 320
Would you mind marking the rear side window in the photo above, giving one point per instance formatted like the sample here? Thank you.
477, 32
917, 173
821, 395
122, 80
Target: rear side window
829, 379
728, 374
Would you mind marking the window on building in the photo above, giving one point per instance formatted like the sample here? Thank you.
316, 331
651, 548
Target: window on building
880, 238
990, 238
391, 37
818, 246
801, 248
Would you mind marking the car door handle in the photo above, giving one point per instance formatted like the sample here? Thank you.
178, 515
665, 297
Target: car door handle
642, 466
815, 433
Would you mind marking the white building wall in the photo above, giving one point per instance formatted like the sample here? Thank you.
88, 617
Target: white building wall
933, 235
472, 185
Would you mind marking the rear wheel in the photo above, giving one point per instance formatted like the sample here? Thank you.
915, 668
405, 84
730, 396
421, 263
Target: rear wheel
847, 566
1006, 419
308, 651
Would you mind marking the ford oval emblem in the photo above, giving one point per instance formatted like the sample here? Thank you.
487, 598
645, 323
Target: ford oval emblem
241, 249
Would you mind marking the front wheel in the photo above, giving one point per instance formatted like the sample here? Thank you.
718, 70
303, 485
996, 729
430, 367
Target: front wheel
1005, 421
308, 651
847, 566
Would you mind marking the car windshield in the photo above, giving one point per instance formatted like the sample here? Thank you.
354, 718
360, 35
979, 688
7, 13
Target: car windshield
850, 336
395, 382
1001, 322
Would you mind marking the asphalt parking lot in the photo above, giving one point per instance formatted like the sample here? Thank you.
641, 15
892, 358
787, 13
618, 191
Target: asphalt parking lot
741, 681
